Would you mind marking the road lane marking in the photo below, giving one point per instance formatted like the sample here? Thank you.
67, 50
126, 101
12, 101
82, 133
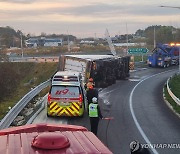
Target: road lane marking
105, 93
135, 80
106, 102
133, 114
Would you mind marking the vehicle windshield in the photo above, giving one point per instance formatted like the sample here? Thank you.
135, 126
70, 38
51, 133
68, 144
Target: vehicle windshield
65, 91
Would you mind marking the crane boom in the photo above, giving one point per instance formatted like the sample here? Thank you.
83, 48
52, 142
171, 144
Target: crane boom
111, 46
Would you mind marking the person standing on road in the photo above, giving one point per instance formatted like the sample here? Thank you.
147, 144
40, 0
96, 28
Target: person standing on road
90, 83
94, 115
91, 92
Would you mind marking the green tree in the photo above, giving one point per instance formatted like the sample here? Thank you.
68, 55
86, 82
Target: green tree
9, 37
163, 34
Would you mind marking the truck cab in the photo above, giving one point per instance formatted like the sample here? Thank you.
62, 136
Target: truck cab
67, 95
164, 55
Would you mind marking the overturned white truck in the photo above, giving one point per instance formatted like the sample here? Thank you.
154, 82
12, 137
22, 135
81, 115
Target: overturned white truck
104, 69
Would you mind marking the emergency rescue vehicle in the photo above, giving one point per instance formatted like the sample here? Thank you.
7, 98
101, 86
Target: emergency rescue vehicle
67, 95
50, 139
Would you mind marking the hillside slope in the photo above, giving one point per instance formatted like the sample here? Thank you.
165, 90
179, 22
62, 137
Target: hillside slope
16, 79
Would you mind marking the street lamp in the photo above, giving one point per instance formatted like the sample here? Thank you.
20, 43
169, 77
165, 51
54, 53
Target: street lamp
174, 7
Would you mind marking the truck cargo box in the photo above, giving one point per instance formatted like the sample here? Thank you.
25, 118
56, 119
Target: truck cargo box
104, 69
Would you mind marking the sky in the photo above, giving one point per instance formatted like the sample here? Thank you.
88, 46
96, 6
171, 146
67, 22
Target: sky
87, 18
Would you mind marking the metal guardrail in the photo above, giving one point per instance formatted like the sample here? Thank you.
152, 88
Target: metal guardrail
34, 59
39, 110
13, 113
177, 100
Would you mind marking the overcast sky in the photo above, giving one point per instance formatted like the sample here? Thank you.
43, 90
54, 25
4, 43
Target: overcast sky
84, 18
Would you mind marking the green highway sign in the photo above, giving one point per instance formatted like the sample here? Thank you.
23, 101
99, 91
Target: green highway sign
137, 50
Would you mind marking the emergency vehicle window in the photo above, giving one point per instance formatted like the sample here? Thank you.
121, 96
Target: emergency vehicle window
168, 49
65, 92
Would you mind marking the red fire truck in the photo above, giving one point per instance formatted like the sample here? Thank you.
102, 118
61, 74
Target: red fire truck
50, 139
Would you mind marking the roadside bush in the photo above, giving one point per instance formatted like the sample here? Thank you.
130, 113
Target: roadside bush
174, 84
16, 79
9, 79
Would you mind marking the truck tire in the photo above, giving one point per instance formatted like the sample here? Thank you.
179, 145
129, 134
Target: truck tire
114, 81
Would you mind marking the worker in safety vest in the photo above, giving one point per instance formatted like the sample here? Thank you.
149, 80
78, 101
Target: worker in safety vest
90, 83
94, 115
92, 92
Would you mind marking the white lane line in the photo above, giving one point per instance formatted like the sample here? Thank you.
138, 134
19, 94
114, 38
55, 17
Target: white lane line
135, 80
105, 93
133, 114
106, 102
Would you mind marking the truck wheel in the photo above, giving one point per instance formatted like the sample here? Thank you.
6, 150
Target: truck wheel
114, 81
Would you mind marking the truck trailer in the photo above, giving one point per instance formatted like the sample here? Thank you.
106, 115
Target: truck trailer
164, 55
104, 69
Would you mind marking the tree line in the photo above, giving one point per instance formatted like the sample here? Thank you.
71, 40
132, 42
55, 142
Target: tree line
11, 38
163, 34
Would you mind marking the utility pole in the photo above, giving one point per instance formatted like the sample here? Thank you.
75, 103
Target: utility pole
127, 37
21, 45
69, 49
154, 36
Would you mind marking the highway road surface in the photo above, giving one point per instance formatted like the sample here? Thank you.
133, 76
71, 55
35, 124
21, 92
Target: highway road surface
139, 112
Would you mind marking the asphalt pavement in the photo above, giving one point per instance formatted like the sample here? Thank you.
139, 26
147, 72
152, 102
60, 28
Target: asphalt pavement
139, 113
157, 125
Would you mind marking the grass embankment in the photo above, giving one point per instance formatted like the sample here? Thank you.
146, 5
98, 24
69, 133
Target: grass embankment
139, 58
17, 79
59, 50
174, 84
